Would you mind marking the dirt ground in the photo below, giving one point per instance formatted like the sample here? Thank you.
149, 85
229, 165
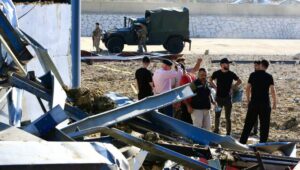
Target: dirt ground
118, 77
224, 46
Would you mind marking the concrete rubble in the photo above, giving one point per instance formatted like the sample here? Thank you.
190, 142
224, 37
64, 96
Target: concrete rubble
81, 129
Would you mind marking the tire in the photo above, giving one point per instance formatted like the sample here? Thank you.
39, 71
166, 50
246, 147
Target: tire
165, 46
115, 45
175, 45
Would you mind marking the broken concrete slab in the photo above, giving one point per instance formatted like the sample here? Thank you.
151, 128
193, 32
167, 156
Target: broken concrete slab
59, 155
10, 133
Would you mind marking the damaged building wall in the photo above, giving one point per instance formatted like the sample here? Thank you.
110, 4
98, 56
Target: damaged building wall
50, 25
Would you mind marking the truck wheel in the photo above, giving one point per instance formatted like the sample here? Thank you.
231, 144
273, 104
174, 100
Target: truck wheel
165, 46
115, 45
175, 45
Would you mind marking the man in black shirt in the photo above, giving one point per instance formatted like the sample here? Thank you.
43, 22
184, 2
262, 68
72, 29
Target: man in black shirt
258, 87
200, 105
224, 78
144, 80
256, 68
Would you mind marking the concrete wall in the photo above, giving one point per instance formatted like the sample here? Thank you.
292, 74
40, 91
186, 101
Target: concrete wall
207, 20
96, 6
50, 25
215, 26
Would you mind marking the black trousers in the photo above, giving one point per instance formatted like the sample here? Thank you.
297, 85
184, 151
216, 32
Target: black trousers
255, 128
227, 104
185, 115
263, 111
144, 95
168, 110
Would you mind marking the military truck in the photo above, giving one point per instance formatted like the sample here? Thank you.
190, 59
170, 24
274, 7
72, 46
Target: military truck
166, 26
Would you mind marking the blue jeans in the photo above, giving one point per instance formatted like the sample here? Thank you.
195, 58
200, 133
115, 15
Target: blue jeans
168, 110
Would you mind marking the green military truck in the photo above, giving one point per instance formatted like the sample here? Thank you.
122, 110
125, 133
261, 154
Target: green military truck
166, 26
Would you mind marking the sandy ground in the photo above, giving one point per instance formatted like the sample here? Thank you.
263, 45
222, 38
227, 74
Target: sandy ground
224, 46
118, 76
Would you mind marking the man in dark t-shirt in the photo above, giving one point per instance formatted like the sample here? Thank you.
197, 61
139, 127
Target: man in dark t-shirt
259, 84
224, 78
144, 80
200, 105
255, 128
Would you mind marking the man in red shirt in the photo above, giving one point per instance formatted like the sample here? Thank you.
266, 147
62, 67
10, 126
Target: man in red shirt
186, 79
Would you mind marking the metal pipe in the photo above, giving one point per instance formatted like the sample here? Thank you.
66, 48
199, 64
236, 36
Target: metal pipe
75, 43
152, 148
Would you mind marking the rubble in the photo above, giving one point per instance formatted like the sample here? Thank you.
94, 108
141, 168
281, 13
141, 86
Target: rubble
91, 101
60, 138
292, 122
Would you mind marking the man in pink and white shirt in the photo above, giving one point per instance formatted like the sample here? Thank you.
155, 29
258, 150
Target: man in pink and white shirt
162, 79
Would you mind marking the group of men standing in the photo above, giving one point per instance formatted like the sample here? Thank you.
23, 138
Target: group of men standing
196, 110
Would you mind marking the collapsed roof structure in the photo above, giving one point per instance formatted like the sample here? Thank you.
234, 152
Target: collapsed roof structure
67, 137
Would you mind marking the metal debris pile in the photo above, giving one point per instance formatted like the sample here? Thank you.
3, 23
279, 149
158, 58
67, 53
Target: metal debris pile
131, 136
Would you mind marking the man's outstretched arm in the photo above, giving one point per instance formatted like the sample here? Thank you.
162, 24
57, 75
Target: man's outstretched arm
197, 66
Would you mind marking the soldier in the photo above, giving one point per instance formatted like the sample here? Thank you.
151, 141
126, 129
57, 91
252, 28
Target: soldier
97, 37
142, 37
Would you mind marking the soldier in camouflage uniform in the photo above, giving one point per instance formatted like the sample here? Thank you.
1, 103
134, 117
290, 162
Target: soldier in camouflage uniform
142, 38
97, 37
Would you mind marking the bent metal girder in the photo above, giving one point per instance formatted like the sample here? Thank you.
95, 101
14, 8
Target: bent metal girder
13, 40
132, 110
150, 147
